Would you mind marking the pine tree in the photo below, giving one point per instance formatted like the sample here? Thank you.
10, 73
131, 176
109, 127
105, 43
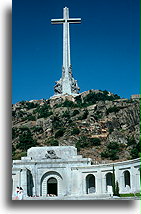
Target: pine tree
117, 189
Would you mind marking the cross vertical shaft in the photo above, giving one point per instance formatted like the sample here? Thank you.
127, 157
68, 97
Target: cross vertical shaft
67, 84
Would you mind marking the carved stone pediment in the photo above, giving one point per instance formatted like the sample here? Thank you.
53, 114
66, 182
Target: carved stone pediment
50, 154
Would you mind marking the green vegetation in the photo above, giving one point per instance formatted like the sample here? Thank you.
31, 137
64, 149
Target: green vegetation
30, 117
88, 100
60, 133
97, 115
131, 195
135, 147
75, 112
14, 133
117, 189
84, 115
66, 114
111, 130
37, 129
75, 131
114, 109
43, 111
21, 114
94, 141
131, 141
68, 103
135, 151
52, 142
111, 151
84, 142
93, 97
25, 140
30, 105
17, 156
56, 122
13, 113
23, 102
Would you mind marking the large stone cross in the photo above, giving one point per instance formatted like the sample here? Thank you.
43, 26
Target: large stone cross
67, 84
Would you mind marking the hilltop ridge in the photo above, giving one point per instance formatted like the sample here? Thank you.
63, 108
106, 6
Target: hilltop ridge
99, 123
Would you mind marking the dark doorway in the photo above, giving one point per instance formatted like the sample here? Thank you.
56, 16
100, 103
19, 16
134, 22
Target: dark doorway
90, 184
127, 178
30, 183
52, 186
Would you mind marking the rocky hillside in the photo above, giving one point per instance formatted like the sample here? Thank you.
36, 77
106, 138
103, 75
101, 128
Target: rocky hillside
100, 124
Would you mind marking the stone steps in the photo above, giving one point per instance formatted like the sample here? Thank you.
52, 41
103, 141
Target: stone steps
83, 197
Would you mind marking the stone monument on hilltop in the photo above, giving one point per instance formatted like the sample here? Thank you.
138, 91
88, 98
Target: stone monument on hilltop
67, 84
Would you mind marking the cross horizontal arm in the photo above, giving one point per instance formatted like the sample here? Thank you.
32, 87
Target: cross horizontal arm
74, 20
57, 21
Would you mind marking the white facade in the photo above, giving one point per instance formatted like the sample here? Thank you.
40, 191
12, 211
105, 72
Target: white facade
60, 171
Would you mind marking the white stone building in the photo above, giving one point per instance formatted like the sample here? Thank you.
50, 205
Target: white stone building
60, 171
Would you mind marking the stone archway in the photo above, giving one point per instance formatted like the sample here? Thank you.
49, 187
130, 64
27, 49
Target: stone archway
51, 183
90, 184
52, 186
109, 182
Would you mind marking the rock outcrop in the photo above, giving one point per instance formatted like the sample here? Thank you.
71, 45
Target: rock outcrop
100, 124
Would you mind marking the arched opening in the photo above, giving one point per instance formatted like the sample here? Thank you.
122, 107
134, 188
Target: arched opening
52, 186
30, 183
109, 182
127, 178
90, 184
44, 182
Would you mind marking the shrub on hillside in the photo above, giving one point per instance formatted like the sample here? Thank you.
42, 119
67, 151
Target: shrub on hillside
68, 103
94, 141
56, 122
66, 114
30, 117
52, 142
14, 133
93, 97
75, 131
111, 151
30, 105
60, 133
37, 129
84, 115
75, 112
114, 109
82, 143
131, 141
18, 155
43, 111
26, 140
135, 151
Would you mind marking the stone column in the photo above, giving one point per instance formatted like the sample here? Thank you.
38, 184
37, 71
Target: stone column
137, 180
34, 175
75, 182
98, 184
103, 190
121, 183
132, 179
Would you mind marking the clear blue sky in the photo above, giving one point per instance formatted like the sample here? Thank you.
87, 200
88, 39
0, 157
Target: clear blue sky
104, 47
